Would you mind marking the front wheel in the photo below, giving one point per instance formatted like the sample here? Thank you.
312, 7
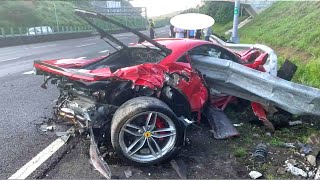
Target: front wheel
145, 131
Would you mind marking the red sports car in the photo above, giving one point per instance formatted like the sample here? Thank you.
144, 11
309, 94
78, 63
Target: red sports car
142, 97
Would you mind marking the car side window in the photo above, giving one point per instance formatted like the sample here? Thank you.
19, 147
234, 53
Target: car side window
206, 50
183, 59
213, 51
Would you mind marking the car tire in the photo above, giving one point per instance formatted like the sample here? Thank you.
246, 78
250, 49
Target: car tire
136, 112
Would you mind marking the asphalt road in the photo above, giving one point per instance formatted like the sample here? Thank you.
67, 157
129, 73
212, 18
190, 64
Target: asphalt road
24, 105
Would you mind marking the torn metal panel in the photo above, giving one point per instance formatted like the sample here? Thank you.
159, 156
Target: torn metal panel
97, 160
271, 66
237, 80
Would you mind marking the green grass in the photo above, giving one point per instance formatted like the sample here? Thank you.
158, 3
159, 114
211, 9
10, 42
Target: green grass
24, 14
239, 152
291, 25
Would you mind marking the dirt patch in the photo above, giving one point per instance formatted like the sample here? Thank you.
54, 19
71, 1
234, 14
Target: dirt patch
289, 53
208, 158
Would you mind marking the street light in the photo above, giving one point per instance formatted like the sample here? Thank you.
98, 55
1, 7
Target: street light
235, 38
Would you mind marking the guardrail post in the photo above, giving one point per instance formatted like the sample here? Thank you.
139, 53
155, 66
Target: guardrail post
3, 32
20, 31
11, 31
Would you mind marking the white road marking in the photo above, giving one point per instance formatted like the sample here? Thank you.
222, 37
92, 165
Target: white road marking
29, 72
91, 39
81, 57
105, 51
50, 45
35, 162
10, 59
86, 45
122, 38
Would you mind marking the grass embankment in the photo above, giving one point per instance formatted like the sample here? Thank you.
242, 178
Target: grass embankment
25, 14
292, 29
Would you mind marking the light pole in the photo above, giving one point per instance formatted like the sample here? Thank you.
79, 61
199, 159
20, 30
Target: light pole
235, 38
55, 13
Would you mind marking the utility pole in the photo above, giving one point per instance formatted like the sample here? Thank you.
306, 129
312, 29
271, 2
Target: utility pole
55, 13
235, 38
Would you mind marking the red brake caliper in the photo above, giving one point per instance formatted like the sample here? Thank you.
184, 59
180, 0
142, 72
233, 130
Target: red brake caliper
160, 124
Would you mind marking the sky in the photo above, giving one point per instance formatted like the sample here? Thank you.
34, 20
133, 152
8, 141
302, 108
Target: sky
161, 7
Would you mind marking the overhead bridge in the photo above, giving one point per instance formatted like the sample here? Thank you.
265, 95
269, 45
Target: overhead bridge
253, 7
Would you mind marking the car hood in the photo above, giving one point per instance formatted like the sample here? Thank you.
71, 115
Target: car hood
85, 14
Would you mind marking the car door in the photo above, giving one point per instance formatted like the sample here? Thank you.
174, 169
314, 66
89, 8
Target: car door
190, 83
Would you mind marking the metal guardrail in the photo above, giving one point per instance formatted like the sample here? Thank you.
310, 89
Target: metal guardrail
25, 31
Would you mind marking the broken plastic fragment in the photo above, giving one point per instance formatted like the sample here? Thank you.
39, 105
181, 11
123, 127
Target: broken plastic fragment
295, 171
180, 167
96, 159
255, 174
294, 123
128, 173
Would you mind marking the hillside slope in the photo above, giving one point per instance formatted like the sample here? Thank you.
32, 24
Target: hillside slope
24, 14
293, 30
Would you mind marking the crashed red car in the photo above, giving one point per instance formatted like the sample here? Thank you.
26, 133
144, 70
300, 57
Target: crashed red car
142, 97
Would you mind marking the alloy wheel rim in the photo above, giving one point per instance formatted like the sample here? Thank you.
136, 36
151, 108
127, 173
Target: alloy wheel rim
142, 140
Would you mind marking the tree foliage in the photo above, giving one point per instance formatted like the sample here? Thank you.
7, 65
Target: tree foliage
222, 12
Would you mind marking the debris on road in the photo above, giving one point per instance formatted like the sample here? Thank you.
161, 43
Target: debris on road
180, 167
305, 148
96, 159
311, 174
312, 160
289, 145
294, 123
281, 170
317, 175
238, 125
268, 134
295, 170
45, 128
260, 153
255, 174
128, 173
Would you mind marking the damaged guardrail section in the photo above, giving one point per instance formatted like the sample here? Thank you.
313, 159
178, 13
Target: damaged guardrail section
235, 79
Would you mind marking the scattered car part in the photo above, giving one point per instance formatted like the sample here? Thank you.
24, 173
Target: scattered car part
317, 175
287, 70
96, 159
255, 174
311, 159
180, 167
260, 153
288, 145
221, 125
305, 148
295, 171
128, 173
294, 123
